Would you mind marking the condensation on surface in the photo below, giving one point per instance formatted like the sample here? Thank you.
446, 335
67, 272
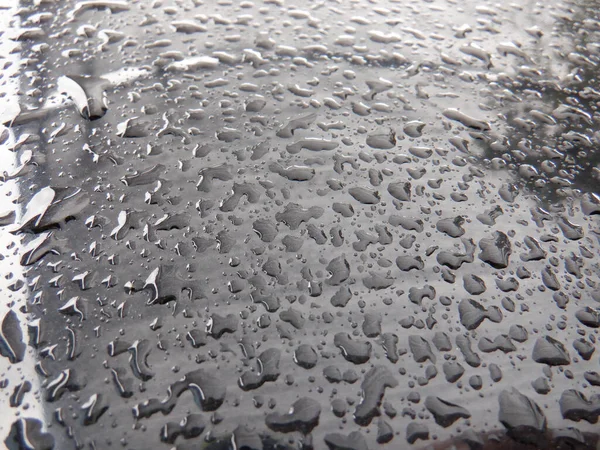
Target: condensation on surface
261, 225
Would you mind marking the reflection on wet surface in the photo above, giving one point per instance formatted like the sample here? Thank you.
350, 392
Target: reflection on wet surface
263, 225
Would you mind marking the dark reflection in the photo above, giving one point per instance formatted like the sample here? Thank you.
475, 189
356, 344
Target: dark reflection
551, 139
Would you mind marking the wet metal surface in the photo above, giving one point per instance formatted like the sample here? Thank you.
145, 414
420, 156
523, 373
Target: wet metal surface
265, 225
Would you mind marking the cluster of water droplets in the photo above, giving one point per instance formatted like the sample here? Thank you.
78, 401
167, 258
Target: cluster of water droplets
346, 226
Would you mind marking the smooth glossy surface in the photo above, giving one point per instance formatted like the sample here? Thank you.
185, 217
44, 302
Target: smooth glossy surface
261, 225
